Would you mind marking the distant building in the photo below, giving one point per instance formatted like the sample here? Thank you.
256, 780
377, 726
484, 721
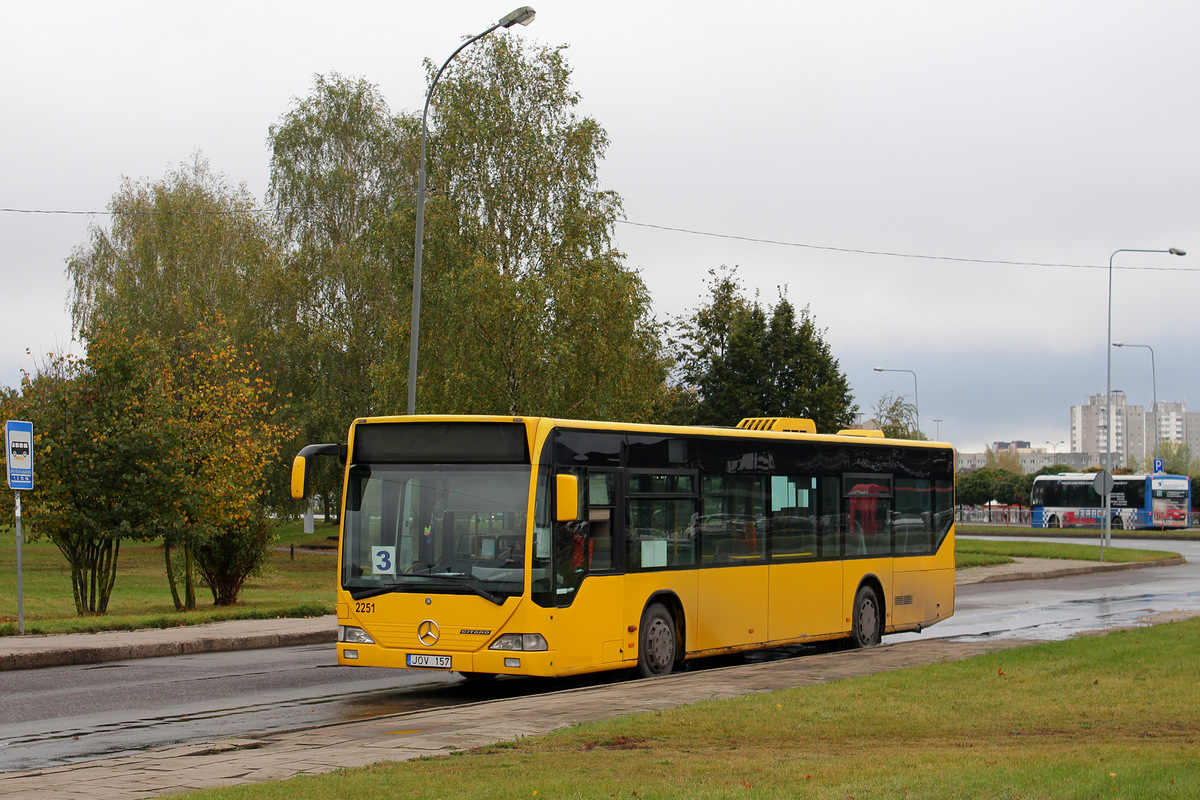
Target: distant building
1133, 429
1031, 459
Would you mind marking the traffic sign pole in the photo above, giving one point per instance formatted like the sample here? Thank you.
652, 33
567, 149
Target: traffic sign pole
18, 458
20, 574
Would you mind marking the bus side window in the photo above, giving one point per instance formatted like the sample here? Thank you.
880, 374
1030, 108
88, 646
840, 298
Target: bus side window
869, 514
793, 523
601, 488
829, 517
913, 519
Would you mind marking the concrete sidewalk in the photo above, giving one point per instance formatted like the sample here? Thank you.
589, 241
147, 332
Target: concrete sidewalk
27, 652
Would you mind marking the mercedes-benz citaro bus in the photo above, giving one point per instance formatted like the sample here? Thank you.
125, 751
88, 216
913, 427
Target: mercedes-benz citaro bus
490, 545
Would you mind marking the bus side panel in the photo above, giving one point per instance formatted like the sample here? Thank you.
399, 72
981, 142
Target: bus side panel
939, 596
640, 586
804, 600
732, 606
906, 606
939, 582
592, 634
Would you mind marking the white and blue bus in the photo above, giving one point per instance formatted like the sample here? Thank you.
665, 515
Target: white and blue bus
1069, 500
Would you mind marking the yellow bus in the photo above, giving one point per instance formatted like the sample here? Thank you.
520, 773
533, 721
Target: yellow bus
493, 545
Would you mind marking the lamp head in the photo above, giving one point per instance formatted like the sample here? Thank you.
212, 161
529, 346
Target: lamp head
879, 369
522, 16
1118, 344
1175, 251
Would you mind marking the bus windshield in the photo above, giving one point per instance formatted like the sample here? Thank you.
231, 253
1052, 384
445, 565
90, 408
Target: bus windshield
445, 528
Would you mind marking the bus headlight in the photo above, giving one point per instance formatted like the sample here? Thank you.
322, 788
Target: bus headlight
520, 641
353, 635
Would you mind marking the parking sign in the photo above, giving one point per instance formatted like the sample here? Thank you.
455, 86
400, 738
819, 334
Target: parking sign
18, 451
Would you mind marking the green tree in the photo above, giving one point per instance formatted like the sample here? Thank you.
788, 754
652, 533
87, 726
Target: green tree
735, 358
1006, 460
338, 173
526, 306
97, 453
896, 417
529, 307
214, 411
191, 264
976, 488
1177, 458
178, 252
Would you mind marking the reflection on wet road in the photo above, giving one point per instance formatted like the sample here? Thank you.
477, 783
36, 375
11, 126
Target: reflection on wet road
1063, 607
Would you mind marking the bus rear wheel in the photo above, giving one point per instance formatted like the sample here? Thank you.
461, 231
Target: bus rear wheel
866, 619
1052, 522
656, 642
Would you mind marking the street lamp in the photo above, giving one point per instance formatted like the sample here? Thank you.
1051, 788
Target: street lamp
1107, 538
916, 401
1154, 387
937, 430
522, 16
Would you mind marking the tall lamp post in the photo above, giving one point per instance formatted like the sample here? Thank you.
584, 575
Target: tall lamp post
916, 400
522, 16
1154, 388
1108, 422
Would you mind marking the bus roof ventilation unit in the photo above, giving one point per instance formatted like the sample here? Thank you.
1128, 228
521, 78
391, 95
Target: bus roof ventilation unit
789, 424
860, 432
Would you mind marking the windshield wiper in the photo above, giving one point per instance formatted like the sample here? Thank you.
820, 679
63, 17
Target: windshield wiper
363, 594
461, 577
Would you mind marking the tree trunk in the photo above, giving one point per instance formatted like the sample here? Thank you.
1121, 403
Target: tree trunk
171, 575
189, 582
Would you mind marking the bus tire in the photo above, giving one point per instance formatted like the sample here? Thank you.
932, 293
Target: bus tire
866, 618
1118, 523
656, 642
1052, 522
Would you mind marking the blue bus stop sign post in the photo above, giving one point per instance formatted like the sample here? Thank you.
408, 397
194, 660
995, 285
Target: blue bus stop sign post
18, 456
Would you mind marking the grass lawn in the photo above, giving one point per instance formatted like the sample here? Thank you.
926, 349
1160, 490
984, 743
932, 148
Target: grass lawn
1099, 716
287, 587
1187, 534
978, 552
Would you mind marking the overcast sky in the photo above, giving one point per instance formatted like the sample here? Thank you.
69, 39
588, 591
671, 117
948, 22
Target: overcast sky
790, 136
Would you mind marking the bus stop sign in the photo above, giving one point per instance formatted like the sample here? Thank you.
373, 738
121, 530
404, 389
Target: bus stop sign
18, 452
1103, 483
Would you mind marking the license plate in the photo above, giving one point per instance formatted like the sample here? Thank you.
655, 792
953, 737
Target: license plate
427, 661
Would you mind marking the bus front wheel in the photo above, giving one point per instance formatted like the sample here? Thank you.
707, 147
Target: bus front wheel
865, 632
1052, 522
656, 642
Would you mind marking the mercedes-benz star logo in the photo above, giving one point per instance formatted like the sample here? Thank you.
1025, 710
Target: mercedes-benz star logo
428, 633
